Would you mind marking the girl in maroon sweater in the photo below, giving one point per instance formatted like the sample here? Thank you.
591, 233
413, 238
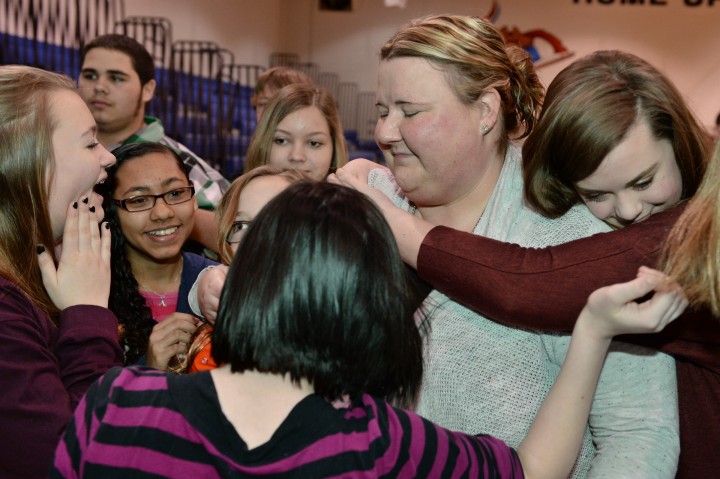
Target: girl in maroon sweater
56, 334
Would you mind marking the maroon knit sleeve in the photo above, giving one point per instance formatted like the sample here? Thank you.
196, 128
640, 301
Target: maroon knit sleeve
87, 347
541, 289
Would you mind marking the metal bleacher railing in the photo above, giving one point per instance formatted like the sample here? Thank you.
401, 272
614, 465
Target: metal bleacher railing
202, 95
49, 33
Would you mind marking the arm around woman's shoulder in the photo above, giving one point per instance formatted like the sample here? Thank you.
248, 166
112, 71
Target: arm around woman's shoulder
44, 371
542, 289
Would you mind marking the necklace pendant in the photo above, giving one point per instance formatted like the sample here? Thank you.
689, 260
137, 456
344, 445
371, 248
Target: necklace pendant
162, 300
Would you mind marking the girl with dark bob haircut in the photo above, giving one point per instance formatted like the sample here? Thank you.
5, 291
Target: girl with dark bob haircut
317, 307
327, 269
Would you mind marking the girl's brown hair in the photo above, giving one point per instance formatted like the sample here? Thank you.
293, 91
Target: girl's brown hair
589, 108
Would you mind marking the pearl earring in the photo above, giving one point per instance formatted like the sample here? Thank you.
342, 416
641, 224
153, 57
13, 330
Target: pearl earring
485, 129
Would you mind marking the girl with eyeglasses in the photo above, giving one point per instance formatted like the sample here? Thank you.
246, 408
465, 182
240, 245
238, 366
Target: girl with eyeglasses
247, 195
149, 200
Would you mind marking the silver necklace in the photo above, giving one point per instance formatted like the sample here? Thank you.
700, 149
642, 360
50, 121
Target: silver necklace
162, 295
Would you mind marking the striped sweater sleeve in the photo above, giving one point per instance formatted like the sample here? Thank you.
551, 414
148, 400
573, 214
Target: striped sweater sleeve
78, 434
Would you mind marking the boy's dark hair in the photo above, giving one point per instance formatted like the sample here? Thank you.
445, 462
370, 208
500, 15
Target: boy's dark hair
141, 59
317, 291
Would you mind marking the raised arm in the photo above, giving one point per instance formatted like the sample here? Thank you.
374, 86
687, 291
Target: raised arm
46, 370
544, 288
552, 444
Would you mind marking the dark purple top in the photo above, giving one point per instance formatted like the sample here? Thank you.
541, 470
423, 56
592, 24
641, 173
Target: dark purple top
44, 372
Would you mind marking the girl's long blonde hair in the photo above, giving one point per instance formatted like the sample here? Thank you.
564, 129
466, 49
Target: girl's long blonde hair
26, 171
691, 254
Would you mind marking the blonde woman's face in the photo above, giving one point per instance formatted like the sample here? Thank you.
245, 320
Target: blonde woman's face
302, 142
431, 141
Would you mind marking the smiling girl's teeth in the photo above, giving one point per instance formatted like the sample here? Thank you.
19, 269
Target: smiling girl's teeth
163, 232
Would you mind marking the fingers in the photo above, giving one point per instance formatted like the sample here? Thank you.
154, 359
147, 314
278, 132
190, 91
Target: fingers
359, 169
70, 232
81, 231
82, 274
617, 295
674, 302
346, 178
661, 279
83, 227
332, 178
616, 309
169, 338
47, 268
105, 242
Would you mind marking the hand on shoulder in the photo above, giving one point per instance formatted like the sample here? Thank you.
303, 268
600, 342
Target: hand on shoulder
210, 285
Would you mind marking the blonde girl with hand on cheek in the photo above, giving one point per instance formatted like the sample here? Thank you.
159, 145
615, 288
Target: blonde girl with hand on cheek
57, 335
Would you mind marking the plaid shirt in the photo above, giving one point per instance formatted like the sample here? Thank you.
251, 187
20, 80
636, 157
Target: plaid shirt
209, 184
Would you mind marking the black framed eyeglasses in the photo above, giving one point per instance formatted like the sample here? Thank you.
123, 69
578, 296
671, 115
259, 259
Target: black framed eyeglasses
147, 202
236, 231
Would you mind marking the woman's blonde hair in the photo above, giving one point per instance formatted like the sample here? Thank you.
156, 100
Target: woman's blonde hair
473, 54
26, 173
691, 253
288, 100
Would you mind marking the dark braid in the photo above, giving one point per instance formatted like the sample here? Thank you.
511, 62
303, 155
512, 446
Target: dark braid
129, 306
